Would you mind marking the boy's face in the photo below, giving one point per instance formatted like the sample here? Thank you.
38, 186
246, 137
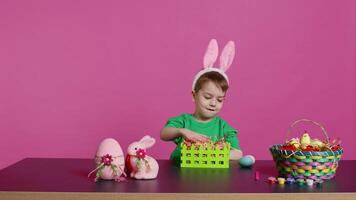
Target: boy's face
208, 101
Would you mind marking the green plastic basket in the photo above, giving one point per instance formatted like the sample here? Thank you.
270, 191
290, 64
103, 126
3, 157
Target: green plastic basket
208, 156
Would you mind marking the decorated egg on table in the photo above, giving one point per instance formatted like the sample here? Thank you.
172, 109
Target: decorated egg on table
247, 161
109, 160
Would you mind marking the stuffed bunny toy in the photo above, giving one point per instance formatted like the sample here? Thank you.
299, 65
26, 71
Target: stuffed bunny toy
109, 160
211, 55
140, 165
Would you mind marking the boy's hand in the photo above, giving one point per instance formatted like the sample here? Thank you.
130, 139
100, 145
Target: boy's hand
193, 136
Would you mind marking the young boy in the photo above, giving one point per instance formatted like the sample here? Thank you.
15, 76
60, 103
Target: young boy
209, 90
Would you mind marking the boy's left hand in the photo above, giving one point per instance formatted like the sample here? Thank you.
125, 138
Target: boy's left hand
193, 136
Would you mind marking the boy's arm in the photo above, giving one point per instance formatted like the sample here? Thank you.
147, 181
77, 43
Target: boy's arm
235, 154
231, 133
170, 133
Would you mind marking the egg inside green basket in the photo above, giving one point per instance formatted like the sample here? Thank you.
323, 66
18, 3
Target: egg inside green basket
247, 161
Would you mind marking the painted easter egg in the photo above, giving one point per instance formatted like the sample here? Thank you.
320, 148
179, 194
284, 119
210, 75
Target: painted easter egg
247, 161
110, 156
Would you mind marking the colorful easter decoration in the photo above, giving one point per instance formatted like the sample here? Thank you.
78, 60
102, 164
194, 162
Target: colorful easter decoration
306, 158
310, 182
246, 161
290, 181
138, 163
318, 144
295, 143
211, 154
257, 175
305, 140
300, 182
281, 180
272, 180
109, 160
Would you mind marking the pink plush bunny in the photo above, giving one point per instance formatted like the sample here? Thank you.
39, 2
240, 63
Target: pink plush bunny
139, 165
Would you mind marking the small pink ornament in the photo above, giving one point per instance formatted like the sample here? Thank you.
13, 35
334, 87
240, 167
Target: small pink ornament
272, 180
257, 175
141, 153
107, 159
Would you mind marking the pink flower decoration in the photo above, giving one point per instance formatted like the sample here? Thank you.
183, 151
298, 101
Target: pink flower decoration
107, 159
141, 153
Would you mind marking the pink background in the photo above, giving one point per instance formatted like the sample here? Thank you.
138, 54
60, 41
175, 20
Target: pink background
75, 72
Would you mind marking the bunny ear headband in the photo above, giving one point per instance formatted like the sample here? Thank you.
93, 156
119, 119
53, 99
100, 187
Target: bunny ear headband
211, 54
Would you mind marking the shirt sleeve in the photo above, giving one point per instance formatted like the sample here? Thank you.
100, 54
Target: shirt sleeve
231, 134
175, 122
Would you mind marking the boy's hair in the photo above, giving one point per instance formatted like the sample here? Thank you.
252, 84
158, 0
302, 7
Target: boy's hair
213, 76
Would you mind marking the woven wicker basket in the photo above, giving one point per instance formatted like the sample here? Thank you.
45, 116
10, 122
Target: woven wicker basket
306, 164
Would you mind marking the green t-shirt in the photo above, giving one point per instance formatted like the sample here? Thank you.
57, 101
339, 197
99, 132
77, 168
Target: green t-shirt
215, 129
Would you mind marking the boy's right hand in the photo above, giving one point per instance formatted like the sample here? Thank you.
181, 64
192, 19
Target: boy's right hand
193, 136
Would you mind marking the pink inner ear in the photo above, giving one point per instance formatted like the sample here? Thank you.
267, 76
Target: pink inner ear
211, 54
227, 56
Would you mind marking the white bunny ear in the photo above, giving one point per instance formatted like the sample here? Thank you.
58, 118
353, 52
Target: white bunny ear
145, 138
211, 54
227, 56
147, 141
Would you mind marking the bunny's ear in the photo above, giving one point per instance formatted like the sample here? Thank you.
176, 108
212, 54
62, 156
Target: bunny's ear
145, 138
211, 54
227, 56
147, 141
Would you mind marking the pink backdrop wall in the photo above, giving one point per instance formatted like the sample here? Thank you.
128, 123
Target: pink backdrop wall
75, 72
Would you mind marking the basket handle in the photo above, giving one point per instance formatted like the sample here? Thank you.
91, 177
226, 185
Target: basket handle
307, 120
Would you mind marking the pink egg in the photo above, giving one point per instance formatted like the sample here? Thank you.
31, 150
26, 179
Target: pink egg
110, 154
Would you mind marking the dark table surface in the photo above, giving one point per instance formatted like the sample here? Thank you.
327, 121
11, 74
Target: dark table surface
70, 175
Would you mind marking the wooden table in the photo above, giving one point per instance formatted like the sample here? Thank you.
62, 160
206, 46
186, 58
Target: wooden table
42, 178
